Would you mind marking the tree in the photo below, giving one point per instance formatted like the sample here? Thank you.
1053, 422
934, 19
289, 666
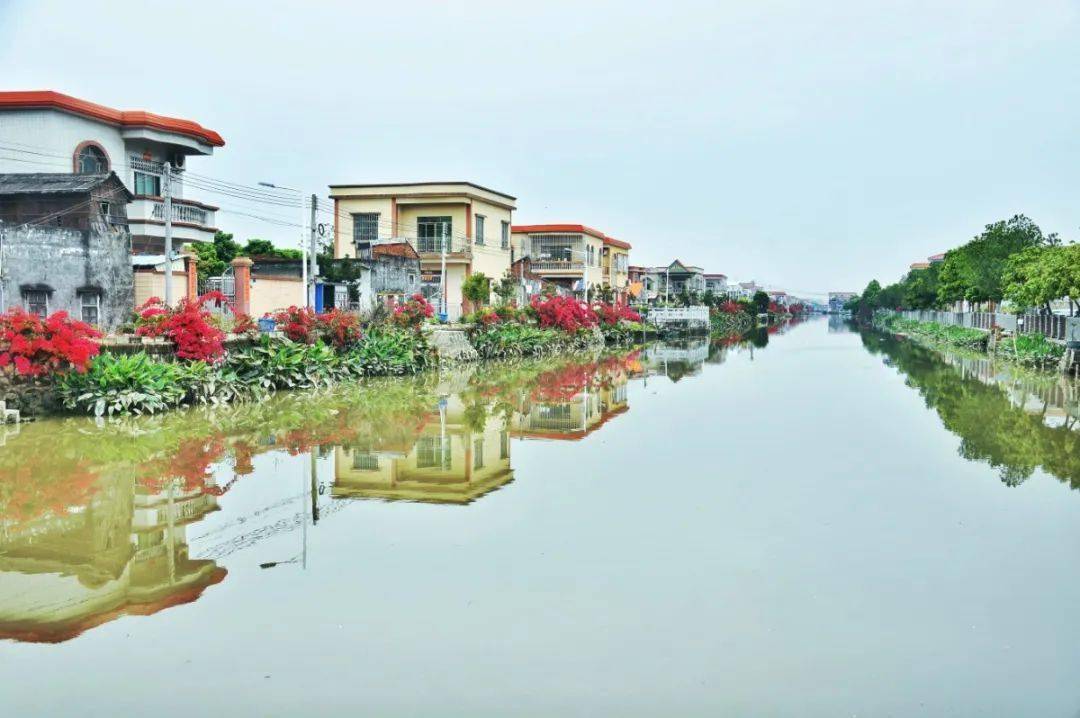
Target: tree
760, 302
477, 288
209, 265
225, 248
1040, 275
921, 288
974, 271
507, 287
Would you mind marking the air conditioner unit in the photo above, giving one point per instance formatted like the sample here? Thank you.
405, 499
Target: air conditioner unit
178, 161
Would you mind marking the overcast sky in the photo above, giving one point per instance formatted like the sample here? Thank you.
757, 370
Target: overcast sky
809, 145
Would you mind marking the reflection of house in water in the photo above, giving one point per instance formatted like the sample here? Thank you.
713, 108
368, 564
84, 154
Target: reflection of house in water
573, 417
459, 454
123, 552
676, 360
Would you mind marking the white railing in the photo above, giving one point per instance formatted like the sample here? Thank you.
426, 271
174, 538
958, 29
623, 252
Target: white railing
148, 166
181, 213
665, 315
556, 265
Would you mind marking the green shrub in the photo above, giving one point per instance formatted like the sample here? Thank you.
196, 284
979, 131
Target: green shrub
125, 384
1031, 349
388, 351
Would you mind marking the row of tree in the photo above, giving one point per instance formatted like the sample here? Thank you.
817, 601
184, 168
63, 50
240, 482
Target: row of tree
1010, 260
214, 257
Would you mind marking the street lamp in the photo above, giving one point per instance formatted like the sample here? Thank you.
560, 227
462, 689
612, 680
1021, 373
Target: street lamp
303, 247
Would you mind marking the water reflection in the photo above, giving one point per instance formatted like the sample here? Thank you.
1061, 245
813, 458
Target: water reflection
97, 527
1015, 420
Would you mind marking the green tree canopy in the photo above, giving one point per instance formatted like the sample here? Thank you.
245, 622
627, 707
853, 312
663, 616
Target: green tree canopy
477, 288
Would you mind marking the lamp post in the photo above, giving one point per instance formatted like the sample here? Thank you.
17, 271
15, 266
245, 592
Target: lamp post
306, 301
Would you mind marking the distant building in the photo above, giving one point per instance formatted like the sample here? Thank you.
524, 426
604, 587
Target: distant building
466, 223
717, 284
57, 130
564, 254
837, 300
936, 258
666, 282
919, 265
66, 246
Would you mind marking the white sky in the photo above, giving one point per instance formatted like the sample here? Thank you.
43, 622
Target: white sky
809, 145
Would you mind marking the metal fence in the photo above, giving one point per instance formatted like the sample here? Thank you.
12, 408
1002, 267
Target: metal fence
1052, 326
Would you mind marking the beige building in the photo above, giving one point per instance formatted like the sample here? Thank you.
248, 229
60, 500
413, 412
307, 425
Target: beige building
571, 254
467, 223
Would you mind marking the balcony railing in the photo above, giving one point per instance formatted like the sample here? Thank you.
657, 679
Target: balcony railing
557, 265
435, 245
181, 213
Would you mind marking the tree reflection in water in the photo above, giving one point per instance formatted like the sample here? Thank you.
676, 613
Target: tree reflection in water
1014, 420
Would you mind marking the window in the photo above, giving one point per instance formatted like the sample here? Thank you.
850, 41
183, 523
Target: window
106, 211
479, 229
433, 233
505, 239
363, 461
432, 453
554, 247
146, 183
590, 255
91, 160
37, 302
365, 230
90, 307
478, 453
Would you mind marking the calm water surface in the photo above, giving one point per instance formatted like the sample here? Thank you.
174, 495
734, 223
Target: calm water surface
814, 523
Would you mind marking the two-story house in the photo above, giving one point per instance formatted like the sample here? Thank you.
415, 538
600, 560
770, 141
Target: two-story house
717, 284
574, 256
458, 228
45, 131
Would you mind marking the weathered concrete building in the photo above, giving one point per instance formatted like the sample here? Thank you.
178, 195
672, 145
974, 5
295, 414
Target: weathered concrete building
45, 130
66, 246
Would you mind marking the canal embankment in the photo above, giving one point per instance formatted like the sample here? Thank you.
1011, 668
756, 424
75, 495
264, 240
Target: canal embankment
1043, 342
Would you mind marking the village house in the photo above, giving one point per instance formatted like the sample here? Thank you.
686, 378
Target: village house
459, 225
667, 282
717, 284
573, 255
52, 132
65, 245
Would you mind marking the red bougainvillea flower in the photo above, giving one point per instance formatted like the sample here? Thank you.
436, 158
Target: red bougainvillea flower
413, 312
566, 313
34, 346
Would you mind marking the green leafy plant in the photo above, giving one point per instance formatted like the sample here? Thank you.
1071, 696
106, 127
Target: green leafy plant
124, 384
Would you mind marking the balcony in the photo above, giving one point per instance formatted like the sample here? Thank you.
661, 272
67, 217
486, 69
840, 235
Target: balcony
192, 221
558, 266
431, 248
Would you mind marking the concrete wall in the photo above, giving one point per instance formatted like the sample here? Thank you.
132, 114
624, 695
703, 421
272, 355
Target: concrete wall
66, 260
269, 294
151, 283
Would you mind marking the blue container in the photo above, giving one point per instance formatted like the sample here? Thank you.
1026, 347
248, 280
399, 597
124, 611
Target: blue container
267, 325
443, 317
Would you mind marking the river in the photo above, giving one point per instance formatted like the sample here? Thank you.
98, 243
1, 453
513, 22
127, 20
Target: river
817, 522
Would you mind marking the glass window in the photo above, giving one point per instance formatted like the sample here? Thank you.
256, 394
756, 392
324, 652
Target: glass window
37, 302
365, 231
479, 229
90, 307
505, 239
433, 233
148, 184
91, 160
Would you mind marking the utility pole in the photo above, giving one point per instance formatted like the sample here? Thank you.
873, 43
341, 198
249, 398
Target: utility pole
313, 272
166, 192
442, 276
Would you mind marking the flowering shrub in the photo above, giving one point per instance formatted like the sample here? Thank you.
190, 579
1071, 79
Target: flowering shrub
566, 313
150, 318
413, 312
299, 324
339, 328
190, 326
244, 324
36, 346
730, 307
611, 315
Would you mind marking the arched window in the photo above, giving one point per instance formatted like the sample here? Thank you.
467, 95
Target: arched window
90, 159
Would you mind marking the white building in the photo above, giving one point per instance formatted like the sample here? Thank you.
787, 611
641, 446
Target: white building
45, 131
